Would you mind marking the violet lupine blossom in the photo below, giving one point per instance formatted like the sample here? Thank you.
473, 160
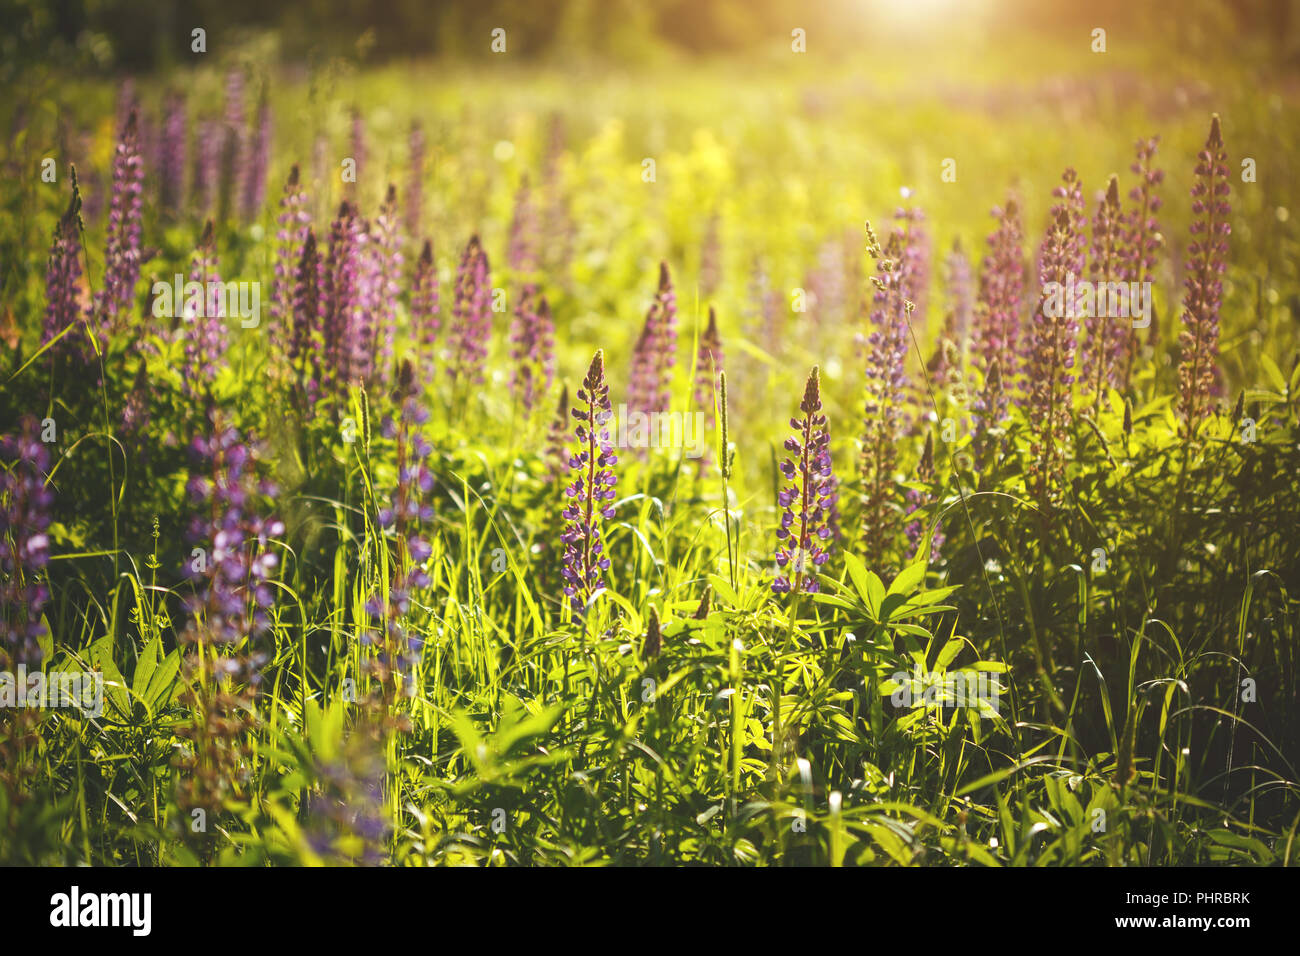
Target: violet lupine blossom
1050, 363
253, 187
234, 563
386, 255
171, 171
914, 258
642, 386
804, 535
521, 249
424, 310
205, 331
293, 224
415, 185
471, 331
207, 164
664, 340
592, 492
1070, 194
63, 282
958, 280
533, 349
135, 412
339, 290
995, 338
1143, 240
1207, 255
708, 366
25, 502
122, 252
917, 498
1103, 334
885, 391
303, 351
363, 324
557, 456
232, 566
397, 650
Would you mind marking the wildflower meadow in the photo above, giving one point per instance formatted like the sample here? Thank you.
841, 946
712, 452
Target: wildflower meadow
658, 455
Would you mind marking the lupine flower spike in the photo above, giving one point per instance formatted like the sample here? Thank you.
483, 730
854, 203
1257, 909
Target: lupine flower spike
592, 492
804, 535
1207, 255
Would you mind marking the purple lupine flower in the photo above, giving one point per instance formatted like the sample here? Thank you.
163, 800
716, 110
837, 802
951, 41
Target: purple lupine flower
25, 502
1103, 336
231, 565
415, 185
591, 495
293, 225
995, 338
1207, 255
711, 257
424, 310
914, 257
664, 340
339, 290
641, 387
207, 164
397, 650
826, 284
885, 392
1050, 362
122, 251
253, 187
708, 366
533, 349
303, 351
171, 170
557, 456
234, 145
804, 536
63, 281
205, 332
521, 249
471, 332
1143, 240
961, 293
363, 321
1072, 203
386, 254
917, 498
232, 570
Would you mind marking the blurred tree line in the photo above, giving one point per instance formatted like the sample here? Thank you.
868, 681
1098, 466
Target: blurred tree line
143, 34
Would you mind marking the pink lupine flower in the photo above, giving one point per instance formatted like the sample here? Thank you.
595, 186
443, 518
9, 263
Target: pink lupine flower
205, 329
708, 366
171, 171
1207, 255
63, 282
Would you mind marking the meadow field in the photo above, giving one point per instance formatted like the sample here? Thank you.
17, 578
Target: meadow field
485, 461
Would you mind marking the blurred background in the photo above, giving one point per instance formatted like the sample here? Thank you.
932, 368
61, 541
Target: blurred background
142, 35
